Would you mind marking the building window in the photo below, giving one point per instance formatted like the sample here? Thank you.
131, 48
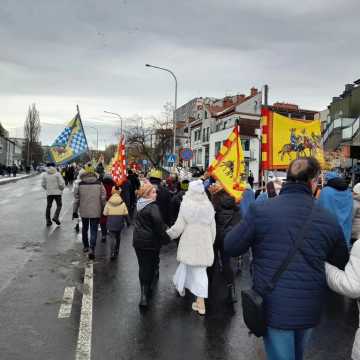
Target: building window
203, 137
245, 143
199, 157
217, 147
205, 114
207, 134
225, 123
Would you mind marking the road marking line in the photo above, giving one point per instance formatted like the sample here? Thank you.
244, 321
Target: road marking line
65, 308
83, 348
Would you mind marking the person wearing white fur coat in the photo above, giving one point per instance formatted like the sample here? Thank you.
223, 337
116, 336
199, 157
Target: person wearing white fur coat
347, 283
197, 230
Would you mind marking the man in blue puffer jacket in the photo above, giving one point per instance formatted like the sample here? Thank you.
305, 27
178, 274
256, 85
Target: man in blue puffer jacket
294, 307
337, 198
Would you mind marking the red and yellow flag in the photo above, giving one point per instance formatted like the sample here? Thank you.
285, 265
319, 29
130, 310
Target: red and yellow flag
118, 168
285, 139
229, 167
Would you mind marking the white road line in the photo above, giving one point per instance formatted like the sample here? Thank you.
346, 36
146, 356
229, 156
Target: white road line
83, 348
65, 308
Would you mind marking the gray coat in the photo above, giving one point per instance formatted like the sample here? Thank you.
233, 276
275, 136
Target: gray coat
52, 182
89, 196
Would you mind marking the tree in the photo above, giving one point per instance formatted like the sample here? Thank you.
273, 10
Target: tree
109, 153
152, 142
32, 151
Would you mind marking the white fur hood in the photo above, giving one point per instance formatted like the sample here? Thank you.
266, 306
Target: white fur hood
197, 208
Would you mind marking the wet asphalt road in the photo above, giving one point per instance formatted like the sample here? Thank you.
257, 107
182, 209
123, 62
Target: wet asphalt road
37, 263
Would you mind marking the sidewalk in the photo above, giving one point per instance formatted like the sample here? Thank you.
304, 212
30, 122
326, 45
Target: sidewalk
6, 179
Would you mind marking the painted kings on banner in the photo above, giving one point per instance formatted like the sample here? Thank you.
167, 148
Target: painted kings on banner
229, 166
285, 139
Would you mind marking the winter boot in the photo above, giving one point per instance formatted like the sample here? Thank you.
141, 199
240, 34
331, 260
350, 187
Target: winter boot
92, 254
231, 294
144, 302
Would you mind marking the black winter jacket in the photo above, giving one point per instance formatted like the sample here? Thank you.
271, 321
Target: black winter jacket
269, 228
227, 214
175, 205
150, 229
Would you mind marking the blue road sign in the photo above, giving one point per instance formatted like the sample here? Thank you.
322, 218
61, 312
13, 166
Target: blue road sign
171, 158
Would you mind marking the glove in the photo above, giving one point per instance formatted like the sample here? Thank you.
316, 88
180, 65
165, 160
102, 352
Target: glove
75, 215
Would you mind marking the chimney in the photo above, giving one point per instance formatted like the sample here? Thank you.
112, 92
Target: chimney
253, 91
227, 102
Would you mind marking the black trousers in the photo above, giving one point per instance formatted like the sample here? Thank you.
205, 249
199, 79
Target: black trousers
115, 237
227, 270
148, 263
50, 199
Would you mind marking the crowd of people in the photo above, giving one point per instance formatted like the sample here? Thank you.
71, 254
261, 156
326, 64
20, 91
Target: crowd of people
299, 238
10, 170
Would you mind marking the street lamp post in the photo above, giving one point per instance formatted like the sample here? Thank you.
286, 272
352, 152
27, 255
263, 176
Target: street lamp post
119, 116
174, 119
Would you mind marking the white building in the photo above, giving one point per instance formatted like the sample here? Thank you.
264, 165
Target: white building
213, 121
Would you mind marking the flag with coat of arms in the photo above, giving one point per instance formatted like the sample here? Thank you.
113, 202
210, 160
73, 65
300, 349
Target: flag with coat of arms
70, 143
228, 168
118, 168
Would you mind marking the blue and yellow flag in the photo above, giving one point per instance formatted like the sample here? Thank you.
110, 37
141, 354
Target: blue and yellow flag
70, 143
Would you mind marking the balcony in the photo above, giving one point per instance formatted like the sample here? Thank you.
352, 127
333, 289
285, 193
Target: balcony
340, 123
349, 132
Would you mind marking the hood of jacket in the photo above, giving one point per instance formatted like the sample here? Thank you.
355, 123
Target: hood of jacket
88, 177
338, 183
115, 199
51, 170
196, 207
142, 202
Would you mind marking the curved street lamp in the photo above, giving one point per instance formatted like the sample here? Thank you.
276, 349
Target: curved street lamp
174, 120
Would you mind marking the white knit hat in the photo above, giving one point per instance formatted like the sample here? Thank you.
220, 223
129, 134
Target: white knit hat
356, 188
196, 186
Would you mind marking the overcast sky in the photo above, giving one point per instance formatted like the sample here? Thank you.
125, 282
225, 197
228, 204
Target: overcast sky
92, 53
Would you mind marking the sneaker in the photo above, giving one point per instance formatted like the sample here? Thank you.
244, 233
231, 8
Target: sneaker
49, 223
56, 221
85, 249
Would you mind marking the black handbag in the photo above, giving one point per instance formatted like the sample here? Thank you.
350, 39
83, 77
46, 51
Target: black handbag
253, 303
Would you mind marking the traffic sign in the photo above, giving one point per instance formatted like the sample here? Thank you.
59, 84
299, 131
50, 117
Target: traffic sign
186, 154
171, 158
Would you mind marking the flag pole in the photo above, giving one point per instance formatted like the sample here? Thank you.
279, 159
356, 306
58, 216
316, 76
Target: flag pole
82, 128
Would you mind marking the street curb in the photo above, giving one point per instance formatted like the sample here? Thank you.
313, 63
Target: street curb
14, 180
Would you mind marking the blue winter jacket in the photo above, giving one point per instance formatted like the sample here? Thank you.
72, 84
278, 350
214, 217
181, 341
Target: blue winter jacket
247, 199
338, 199
269, 228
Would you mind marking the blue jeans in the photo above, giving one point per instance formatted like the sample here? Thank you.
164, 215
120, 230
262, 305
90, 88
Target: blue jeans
94, 224
286, 344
